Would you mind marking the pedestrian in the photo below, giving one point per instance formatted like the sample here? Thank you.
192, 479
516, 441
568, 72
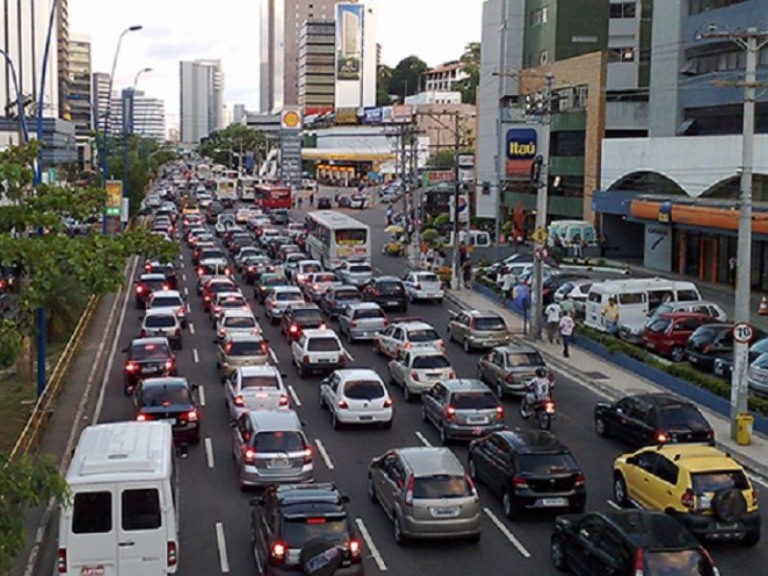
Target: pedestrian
576, 244
466, 270
566, 332
300, 202
430, 258
553, 313
294, 202
732, 270
507, 285
603, 245
312, 199
611, 315
566, 305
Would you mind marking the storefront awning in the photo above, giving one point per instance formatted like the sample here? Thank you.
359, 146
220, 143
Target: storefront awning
346, 154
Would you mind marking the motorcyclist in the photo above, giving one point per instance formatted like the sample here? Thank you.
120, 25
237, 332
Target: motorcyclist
539, 389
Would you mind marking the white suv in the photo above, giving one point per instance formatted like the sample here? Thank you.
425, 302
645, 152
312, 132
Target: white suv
318, 351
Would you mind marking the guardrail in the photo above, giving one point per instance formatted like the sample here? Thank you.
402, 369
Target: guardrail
29, 437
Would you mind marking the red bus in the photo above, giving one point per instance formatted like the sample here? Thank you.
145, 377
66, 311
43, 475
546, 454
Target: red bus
272, 196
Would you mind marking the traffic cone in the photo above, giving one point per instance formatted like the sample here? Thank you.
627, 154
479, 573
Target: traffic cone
762, 310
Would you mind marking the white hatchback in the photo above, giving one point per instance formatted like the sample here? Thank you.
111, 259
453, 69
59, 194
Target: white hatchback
255, 388
356, 397
423, 286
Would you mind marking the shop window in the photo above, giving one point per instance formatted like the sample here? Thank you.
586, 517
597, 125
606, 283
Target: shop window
624, 10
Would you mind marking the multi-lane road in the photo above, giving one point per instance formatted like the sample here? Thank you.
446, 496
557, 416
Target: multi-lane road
214, 513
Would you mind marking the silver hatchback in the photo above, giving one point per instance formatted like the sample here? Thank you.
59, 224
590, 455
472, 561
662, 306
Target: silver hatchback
425, 493
362, 321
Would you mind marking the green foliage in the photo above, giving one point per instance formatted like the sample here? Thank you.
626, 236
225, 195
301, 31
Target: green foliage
406, 77
470, 64
224, 145
383, 77
441, 160
442, 220
430, 236
24, 483
10, 342
508, 227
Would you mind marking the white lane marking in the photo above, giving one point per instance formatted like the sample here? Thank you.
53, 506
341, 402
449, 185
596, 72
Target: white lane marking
759, 479
273, 356
324, 454
184, 278
351, 358
222, 543
423, 439
294, 396
181, 257
201, 392
209, 452
375, 554
186, 291
189, 308
507, 533
191, 328
195, 356
613, 505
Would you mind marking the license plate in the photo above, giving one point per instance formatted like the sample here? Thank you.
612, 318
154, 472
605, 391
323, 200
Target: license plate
92, 571
279, 463
720, 526
554, 502
148, 370
477, 420
693, 359
323, 361
445, 511
392, 303
366, 417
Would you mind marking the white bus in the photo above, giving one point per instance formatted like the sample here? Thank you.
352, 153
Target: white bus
226, 190
333, 237
246, 188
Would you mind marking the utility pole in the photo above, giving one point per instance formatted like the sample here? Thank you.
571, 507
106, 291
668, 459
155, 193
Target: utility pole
752, 42
456, 268
540, 179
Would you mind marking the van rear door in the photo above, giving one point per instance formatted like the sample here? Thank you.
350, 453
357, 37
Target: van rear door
88, 534
141, 533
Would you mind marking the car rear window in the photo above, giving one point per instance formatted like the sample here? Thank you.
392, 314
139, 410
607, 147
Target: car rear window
244, 348
165, 395
681, 415
222, 287
718, 480
154, 284
240, 322
150, 352
520, 359
346, 295
281, 441
309, 268
359, 268
160, 321
363, 389
325, 278
546, 464
92, 513
369, 313
490, 324
298, 531
445, 486
676, 563
431, 362
423, 335
427, 278
391, 288
284, 296
260, 381
473, 400
323, 345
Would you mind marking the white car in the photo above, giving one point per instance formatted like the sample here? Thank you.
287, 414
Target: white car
418, 370
304, 269
227, 301
355, 272
255, 388
356, 397
236, 322
267, 234
162, 322
318, 284
409, 335
423, 286
318, 350
278, 299
169, 300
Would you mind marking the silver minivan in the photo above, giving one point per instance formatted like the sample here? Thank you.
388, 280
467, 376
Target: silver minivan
426, 494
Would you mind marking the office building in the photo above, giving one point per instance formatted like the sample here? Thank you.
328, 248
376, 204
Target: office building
99, 98
356, 55
317, 76
79, 92
238, 114
63, 57
201, 99
280, 28
143, 116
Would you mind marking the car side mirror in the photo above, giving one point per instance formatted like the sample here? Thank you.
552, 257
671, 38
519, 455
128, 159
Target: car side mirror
619, 411
345, 499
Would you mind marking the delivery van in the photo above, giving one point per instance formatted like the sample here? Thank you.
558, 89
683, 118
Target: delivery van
122, 518
477, 238
568, 230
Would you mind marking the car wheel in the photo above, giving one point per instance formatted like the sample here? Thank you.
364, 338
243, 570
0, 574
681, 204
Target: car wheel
620, 490
439, 301
508, 504
398, 530
471, 468
677, 354
335, 420
372, 490
444, 440
557, 553
600, 428
407, 396
450, 336
467, 346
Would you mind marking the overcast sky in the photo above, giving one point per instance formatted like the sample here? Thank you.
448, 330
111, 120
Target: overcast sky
174, 30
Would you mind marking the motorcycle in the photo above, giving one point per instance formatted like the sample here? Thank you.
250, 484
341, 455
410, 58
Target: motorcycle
543, 411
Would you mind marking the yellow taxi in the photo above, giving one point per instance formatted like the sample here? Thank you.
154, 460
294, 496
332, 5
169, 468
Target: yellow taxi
702, 487
190, 209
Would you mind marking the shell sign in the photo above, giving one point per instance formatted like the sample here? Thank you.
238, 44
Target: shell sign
290, 120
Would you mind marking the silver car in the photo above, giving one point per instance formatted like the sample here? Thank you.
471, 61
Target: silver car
162, 322
279, 299
757, 376
355, 272
507, 369
317, 284
425, 493
170, 301
477, 329
362, 321
255, 388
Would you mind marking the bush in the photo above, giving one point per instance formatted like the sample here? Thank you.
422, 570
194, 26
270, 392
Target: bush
430, 236
441, 220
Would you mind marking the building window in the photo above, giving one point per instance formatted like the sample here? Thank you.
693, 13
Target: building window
625, 54
699, 6
624, 10
540, 16
567, 143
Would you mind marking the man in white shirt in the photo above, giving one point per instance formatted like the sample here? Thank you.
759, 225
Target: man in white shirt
507, 284
538, 389
566, 332
553, 313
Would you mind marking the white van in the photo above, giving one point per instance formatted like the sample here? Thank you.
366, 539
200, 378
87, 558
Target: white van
636, 298
122, 518
567, 230
477, 238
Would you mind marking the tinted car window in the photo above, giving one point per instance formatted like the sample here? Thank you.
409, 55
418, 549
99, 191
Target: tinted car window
346, 295
92, 513
363, 390
441, 487
160, 321
431, 362
165, 395
307, 315
141, 509
423, 335
676, 563
261, 381
149, 352
546, 463
279, 442
325, 278
687, 296
681, 415
489, 324
282, 296
427, 278
369, 313
323, 345
298, 531
714, 481
240, 322
307, 268
244, 348
359, 268
473, 400
524, 359
390, 287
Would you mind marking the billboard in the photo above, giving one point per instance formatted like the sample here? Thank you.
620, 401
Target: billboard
520, 151
349, 41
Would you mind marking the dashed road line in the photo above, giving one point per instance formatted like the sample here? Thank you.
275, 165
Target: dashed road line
221, 541
375, 554
195, 356
189, 308
209, 453
186, 291
324, 454
191, 328
294, 396
613, 504
423, 439
201, 393
351, 358
273, 356
507, 533
184, 278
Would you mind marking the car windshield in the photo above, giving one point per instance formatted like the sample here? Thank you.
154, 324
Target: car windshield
240, 322
369, 313
279, 442
298, 531
363, 389
323, 345
359, 268
441, 486
427, 278
165, 395
521, 359
260, 381
149, 352
676, 563
681, 415
346, 295
473, 400
160, 321
423, 335
713, 481
420, 362
245, 348
546, 464
490, 324
659, 325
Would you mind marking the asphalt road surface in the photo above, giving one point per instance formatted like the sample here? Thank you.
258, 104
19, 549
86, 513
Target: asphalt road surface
214, 513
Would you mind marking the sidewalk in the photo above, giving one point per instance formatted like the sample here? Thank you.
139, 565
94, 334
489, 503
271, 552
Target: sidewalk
615, 382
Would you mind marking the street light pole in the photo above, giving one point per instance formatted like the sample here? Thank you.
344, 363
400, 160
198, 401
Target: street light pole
23, 130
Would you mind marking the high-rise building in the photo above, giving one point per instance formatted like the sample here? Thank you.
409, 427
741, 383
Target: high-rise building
201, 99
79, 84
280, 26
317, 76
142, 115
99, 99
63, 57
238, 113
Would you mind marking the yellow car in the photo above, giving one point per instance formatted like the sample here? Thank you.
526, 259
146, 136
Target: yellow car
190, 209
703, 488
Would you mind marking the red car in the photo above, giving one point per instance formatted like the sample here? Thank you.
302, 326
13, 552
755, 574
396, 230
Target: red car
667, 334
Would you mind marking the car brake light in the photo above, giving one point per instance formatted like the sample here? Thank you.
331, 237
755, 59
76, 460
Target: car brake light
638, 563
407, 346
705, 348
441, 345
277, 552
499, 413
355, 549
387, 402
688, 499
228, 348
580, 480
660, 436
342, 404
386, 321
249, 456
471, 485
549, 407
171, 555
409, 491
519, 482
168, 364
180, 311
264, 347
415, 376
166, 286
283, 400
192, 416
754, 497
417, 286
353, 324
143, 333
308, 455
450, 413
131, 367
200, 271
322, 326
451, 374
141, 417
305, 359
61, 561
239, 401
293, 329
510, 378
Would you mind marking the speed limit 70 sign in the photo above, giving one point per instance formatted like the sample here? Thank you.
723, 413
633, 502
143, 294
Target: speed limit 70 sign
742, 333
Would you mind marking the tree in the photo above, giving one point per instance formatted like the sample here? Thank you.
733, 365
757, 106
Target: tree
470, 65
383, 77
223, 146
406, 77
441, 160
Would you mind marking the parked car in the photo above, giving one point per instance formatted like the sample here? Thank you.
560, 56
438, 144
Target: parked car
356, 396
713, 340
386, 291
667, 334
171, 399
507, 369
723, 365
362, 321
704, 307
477, 329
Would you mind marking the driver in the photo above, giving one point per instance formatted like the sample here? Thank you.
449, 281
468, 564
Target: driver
539, 388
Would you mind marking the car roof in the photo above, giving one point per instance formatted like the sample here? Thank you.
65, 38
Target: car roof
239, 312
698, 457
262, 369
660, 399
303, 306
152, 276
364, 306
275, 420
149, 340
482, 313
516, 348
310, 496
164, 311
414, 325
533, 441
387, 279
165, 381
427, 461
678, 315
465, 385
650, 529
243, 337
318, 333
350, 373
286, 288
233, 294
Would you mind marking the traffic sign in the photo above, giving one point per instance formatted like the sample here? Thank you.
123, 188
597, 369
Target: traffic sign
742, 332
539, 236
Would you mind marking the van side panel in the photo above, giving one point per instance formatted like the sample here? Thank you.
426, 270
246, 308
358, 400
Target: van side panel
142, 530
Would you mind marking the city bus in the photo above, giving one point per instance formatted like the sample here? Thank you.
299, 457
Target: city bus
226, 191
333, 237
272, 196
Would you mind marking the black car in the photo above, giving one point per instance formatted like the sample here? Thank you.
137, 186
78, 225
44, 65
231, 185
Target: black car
299, 317
386, 291
279, 217
145, 285
285, 518
713, 340
529, 469
724, 364
169, 398
147, 357
167, 269
324, 204
646, 419
627, 543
